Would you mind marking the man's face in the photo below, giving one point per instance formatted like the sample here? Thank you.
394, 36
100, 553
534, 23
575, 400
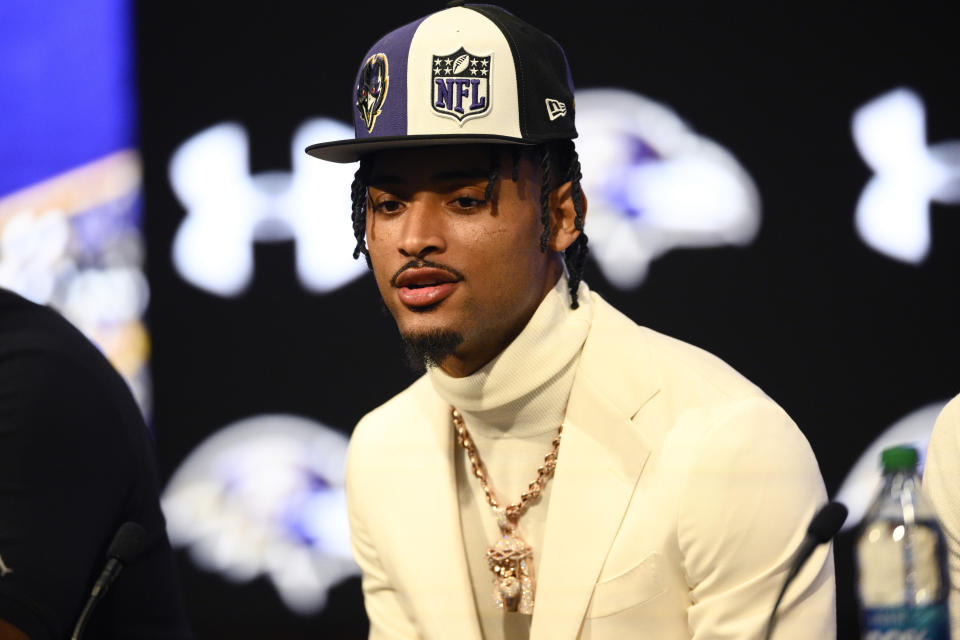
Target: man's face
447, 261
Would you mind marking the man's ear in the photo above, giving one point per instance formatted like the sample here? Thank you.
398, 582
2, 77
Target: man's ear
563, 215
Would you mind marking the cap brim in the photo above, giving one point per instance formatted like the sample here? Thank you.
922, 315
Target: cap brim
352, 150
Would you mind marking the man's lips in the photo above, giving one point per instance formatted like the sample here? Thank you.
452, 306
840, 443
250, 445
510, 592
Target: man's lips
424, 286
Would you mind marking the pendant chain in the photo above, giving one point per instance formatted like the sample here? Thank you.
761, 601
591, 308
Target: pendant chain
544, 473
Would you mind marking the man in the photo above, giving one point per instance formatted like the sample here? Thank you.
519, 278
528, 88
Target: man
76, 462
680, 491
941, 483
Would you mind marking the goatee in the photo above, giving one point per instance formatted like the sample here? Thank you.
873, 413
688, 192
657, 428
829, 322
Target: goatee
430, 349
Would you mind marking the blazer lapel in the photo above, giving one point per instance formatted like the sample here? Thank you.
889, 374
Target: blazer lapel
602, 454
447, 609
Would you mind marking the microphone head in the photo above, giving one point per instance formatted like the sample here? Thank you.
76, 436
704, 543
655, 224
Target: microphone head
827, 522
128, 542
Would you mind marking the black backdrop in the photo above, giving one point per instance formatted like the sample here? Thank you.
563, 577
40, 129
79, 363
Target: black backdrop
846, 339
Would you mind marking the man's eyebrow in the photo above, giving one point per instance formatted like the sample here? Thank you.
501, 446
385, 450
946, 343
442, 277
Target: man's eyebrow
440, 176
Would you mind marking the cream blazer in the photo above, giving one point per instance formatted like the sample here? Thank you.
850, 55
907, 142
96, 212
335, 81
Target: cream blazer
941, 484
680, 495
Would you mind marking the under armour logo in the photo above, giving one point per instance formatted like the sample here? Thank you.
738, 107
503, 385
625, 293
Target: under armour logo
228, 210
893, 214
4, 569
555, 109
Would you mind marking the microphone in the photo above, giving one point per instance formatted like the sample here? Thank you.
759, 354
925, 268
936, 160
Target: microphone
825, 524
128, 543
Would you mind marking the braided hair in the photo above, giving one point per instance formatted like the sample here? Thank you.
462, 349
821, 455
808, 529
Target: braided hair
553, 158
358, 213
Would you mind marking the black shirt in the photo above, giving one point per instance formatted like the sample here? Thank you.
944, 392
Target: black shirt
76, 462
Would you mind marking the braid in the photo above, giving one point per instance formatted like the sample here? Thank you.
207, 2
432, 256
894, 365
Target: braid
565, 160
358, 196
494, 174
543, 151
515, 172
576, 254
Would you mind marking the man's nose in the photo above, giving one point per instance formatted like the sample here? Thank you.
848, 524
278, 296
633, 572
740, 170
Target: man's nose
422, 232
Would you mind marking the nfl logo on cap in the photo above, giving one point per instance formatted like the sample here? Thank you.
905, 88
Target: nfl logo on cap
461, 85
466, 74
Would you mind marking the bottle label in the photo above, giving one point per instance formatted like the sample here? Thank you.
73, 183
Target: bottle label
907, 623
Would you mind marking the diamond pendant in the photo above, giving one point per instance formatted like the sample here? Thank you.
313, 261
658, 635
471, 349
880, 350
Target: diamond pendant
511, 560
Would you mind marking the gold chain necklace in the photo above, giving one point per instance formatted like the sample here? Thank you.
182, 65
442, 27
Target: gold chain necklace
510, 558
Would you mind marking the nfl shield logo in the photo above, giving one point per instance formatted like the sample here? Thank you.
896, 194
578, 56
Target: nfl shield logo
461, 85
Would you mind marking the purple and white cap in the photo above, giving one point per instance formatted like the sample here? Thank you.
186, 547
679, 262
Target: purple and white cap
467, 74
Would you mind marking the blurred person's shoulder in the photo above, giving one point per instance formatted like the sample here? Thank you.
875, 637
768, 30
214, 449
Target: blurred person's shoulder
31, 332
52, 376
26, 326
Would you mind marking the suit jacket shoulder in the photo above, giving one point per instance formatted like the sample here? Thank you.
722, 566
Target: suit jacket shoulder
629, 363
729, 476
393, 420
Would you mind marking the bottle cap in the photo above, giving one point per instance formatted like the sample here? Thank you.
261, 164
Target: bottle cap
902, 458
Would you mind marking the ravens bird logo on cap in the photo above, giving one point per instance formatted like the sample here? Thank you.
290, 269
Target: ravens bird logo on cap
372, 88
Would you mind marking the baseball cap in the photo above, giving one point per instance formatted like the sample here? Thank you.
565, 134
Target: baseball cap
470, 73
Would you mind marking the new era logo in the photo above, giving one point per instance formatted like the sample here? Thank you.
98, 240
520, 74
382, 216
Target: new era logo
555, 109
4, 569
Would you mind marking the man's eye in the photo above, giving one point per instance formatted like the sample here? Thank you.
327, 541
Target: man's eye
387, 206
466, 202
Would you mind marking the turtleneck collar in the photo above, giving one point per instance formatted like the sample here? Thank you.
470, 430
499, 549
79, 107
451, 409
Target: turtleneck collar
523, 391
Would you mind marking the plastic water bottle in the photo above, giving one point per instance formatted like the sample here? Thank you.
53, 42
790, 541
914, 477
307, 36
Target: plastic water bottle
903, 582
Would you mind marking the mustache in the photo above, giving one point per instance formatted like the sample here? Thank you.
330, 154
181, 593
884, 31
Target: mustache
420, 264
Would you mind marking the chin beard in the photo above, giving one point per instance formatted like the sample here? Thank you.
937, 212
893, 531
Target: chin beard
430, 349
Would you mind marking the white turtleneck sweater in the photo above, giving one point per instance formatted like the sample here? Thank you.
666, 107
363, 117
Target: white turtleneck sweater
513, 408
